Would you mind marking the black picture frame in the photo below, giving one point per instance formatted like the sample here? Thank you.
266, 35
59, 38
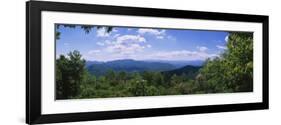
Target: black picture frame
33, 61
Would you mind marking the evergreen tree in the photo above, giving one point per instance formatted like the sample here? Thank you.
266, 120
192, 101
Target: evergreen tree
69, 71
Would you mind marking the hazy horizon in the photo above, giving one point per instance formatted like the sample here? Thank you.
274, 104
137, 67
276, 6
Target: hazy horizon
148, 60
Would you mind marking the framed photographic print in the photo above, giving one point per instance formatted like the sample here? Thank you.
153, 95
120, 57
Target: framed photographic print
95, 62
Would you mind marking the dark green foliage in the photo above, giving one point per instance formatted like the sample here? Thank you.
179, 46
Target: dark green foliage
187, 72
86, 28
57, 35
231, 72
69, 75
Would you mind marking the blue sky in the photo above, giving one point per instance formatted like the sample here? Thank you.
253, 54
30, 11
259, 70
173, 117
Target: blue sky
141, 43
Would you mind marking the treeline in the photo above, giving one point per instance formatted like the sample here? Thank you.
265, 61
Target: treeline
231, 72
76, 82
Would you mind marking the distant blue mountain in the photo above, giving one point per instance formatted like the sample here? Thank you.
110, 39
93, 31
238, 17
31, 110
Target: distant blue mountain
89, 63
127, 65
180, 63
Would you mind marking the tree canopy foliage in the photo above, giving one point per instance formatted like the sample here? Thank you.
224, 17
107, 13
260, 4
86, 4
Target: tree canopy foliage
86, 28
233, 70
69, 75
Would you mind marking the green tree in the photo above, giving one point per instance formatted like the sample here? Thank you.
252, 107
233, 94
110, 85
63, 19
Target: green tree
111, 77
158, 79
175, 79
152, 91
148, 76
70, 72
122, 77
138, 85
233, 70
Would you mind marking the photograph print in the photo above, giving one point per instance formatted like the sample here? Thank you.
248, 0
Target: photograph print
94, 61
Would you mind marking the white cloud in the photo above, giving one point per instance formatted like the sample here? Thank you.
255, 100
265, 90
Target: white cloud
159, 34
135, 50
94, 52
126, 45
133, 46
130, 38
182, 55
160, 37
171, 38
125, 49
116, 35
102, 32
106, 42
202, 48
100, 43
66, 44
226, 38
114, 30
221, 47
151, 31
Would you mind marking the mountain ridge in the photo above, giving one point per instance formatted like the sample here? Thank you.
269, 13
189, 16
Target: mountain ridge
127, 65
